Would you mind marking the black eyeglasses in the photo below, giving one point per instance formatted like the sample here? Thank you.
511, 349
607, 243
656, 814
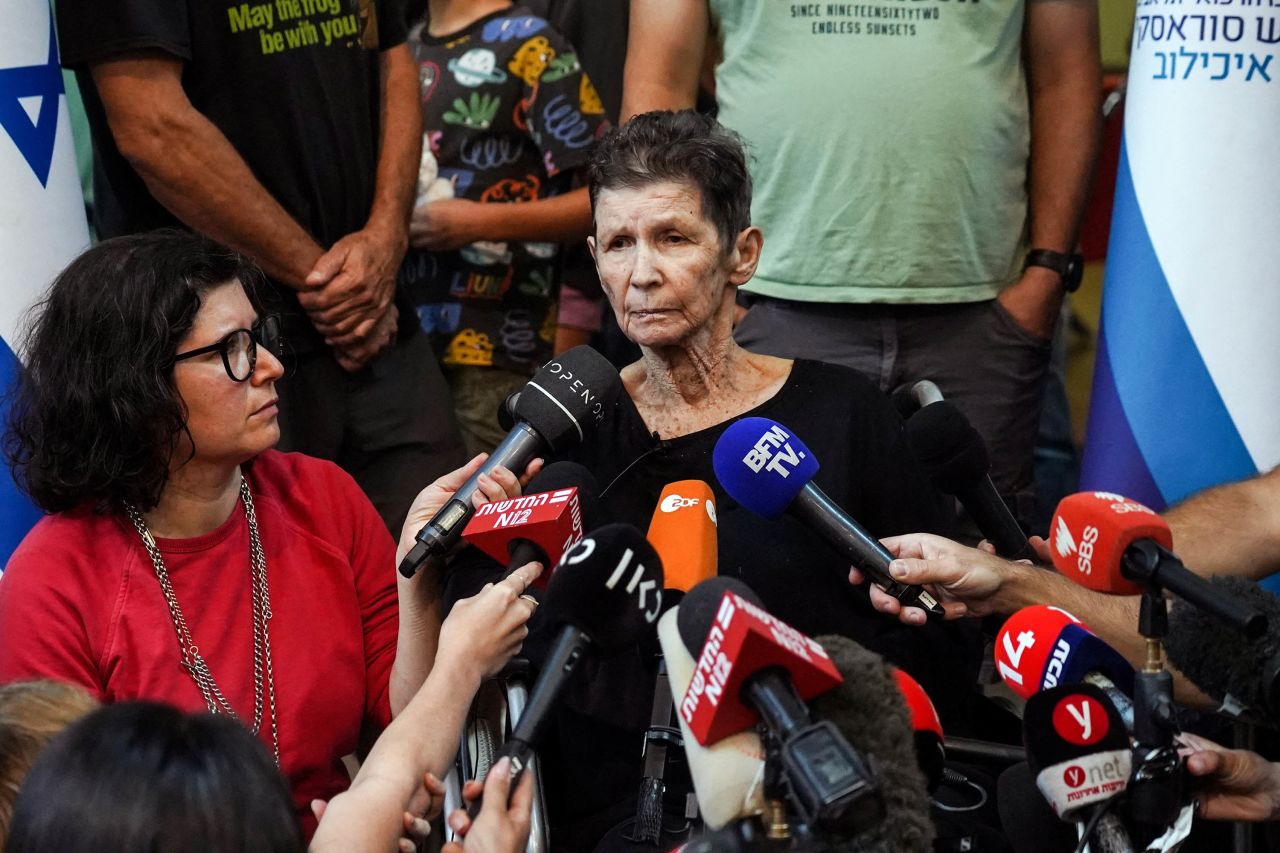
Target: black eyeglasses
239, 349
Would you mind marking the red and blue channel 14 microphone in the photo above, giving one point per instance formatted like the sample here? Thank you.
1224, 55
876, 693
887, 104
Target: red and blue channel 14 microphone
1042, 647
764, 467
1111, 544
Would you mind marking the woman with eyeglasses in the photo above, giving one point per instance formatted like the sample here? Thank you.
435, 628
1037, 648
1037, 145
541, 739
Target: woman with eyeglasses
185, 561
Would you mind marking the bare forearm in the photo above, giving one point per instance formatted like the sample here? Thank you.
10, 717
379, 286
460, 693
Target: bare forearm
418, 636
1232, 529
665, 44
559, 219
400, 146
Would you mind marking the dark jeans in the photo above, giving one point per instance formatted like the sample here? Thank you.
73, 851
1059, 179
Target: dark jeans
985, 363
391, 425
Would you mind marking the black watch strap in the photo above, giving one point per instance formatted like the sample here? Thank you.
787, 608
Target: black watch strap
1069, 267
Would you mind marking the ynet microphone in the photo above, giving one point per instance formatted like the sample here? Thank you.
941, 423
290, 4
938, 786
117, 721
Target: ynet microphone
1114, 545
605, 595
956, 459
1242, 674
871, 709
753, 667
1079, 753
764, 467
565, 401
1042, 647
558, 506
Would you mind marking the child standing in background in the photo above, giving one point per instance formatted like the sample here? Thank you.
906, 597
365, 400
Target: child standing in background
509, 117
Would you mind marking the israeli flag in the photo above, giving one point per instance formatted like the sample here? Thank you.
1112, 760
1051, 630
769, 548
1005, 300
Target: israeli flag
42, 224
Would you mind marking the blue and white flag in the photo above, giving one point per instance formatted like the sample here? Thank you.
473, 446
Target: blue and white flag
42, 224
1186, 392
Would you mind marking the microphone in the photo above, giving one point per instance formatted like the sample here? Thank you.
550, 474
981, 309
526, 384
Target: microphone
764, 467
559, 505
1114, 545
1029, 824
683, 532
1041, 647
752, 667
1079, 753
955, 456
605, 595
1239, 674
567, 399
911, 397
869, 708
931, 755
728, 777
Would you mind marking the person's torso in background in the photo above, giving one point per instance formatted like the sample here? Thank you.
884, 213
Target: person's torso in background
508, 114
890, 144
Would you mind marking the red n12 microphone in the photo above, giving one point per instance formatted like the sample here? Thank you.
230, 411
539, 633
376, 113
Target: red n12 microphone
1041, 647
683, 532
1114, 545
743, 640
551, 521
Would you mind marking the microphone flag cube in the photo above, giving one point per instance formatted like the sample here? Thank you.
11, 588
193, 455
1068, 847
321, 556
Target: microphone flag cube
1091, 531
743, 640
551, 520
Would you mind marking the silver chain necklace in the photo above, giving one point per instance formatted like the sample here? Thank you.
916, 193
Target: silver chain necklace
192, 661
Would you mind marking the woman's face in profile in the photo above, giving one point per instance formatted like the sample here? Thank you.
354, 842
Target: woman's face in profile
660, 261
230, 422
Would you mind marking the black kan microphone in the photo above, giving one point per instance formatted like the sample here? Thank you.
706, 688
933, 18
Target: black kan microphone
749, 661
868, 708
604, 596
956, 459
1242, 674
1079, 753
767, 469
565, 401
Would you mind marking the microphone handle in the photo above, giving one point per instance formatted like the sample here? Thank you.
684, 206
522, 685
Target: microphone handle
521, 446
525, 551
1110, 834
826, 518
521, 755
995, 521
1147, 562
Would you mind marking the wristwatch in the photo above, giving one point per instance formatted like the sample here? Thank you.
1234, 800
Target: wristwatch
1069, 267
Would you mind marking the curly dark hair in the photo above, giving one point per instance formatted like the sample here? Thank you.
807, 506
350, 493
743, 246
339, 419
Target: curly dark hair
683, 147
95, 415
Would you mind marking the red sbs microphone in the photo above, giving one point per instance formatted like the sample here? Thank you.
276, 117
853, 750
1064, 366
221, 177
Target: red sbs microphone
551, 521
1114, 545
743, 640
683, 532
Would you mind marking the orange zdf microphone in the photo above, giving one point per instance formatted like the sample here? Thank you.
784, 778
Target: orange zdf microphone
754, 668
541, 525
1114, 545
683, 532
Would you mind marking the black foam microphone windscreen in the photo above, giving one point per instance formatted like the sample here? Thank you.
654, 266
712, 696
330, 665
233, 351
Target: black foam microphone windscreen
870, 712
1222, 663
697, 612
1029, 825
948, 446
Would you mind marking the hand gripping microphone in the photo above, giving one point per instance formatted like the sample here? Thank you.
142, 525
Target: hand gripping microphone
605, 595
1114, 545
764, 467
1080, 756
871, 710
1241, 674
559, 504
752, 666
1041, 647
955, 457
566, 400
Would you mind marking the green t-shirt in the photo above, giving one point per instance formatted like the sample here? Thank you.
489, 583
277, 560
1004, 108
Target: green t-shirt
889, 141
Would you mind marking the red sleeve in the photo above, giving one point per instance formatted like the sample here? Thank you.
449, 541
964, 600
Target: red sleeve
45, 629
373, 565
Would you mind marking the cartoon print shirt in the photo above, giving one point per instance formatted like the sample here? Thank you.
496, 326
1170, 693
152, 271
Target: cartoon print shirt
508, 114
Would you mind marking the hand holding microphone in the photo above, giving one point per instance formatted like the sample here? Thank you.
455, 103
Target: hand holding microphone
1234, 784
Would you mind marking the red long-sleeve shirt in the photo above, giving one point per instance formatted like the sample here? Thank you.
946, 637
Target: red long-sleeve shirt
80, 603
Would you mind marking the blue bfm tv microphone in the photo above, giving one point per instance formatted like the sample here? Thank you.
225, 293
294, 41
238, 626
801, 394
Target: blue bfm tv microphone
764, 467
